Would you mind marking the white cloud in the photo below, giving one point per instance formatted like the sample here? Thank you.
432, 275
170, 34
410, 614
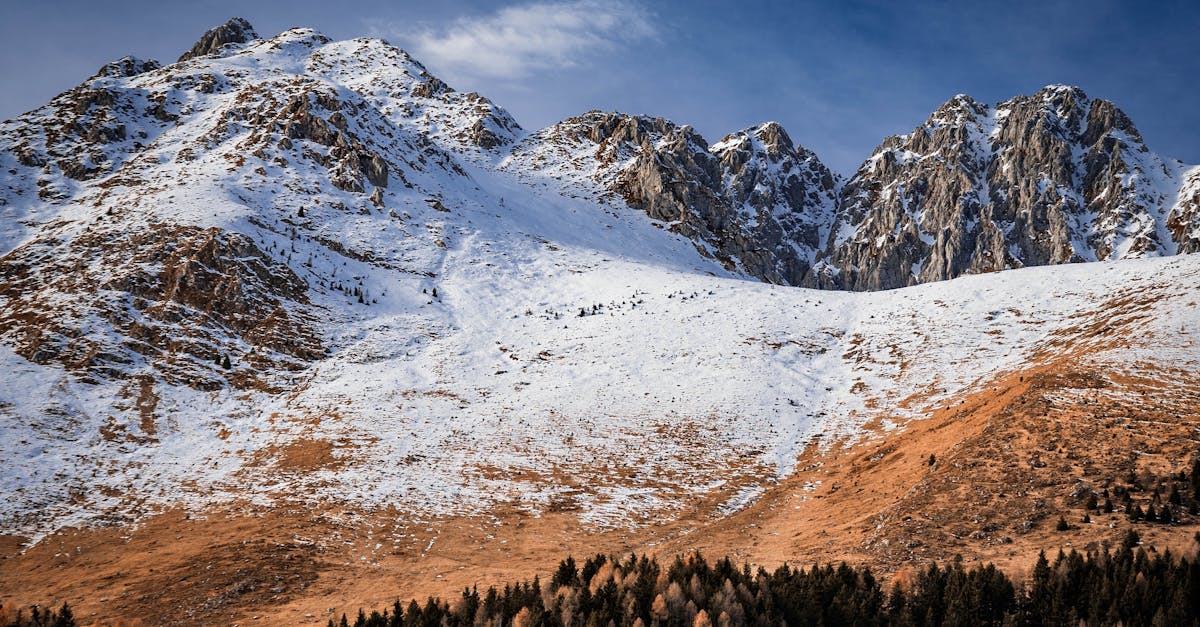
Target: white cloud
524, 39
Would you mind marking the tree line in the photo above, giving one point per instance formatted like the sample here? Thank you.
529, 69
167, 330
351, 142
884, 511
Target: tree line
37, 617
1128, 586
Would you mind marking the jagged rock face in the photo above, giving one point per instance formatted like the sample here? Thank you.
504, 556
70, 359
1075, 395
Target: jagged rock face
786, 194
754, 201
1052, 178
235, 31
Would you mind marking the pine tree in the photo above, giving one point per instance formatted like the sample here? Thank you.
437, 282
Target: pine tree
1131, 539
65, 618
225, 363
566, 574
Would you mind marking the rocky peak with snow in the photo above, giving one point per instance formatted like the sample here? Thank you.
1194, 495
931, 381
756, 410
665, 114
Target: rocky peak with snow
774, 181
213, 41
126, 67
1056, 177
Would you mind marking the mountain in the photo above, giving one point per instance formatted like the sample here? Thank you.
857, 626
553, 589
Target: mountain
1052, 178
299, 311
754, 201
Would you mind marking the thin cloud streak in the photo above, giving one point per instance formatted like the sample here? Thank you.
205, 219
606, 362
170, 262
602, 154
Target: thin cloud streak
523, 40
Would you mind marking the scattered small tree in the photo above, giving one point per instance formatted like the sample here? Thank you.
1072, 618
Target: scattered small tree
1131, 539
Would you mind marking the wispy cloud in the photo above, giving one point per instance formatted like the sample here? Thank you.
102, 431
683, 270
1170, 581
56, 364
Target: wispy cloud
526, 39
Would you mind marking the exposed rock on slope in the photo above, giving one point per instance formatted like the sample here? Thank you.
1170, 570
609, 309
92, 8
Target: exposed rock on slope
178, 297
1052, 178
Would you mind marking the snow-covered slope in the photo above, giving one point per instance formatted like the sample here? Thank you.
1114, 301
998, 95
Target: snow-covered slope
275, 247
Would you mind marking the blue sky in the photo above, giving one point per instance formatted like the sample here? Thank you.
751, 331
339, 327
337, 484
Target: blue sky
838, 75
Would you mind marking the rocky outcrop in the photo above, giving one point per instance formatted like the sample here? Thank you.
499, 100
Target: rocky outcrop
178, 296
1052, 178
82, 132
235, 31
349, 159
126, 67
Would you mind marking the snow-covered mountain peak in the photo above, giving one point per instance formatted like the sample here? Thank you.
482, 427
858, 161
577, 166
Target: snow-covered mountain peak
958, 108
1055, 177
768, 137
404, 90
1068, 112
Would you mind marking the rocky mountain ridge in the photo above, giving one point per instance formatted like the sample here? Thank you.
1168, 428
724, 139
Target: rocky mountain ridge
1052, 178
1048, 179
754, 201
199, 262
